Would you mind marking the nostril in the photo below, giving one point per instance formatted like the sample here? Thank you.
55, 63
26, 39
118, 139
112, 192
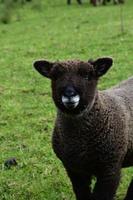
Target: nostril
69, 92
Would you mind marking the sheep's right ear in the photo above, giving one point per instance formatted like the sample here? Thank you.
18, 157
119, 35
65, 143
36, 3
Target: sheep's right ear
43, 67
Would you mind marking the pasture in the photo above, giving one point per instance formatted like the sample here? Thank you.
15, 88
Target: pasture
53, 31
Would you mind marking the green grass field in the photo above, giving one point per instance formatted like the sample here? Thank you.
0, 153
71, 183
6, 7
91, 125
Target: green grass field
53, 31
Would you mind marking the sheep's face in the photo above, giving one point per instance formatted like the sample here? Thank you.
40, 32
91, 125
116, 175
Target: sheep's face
74, 82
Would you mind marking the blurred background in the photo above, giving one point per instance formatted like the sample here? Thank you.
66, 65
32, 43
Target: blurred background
52, 30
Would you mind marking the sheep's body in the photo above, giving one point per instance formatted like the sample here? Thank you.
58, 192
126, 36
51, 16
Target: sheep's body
123, 97
93, 137
103, 135
98, 142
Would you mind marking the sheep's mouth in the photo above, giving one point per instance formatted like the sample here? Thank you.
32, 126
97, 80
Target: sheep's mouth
70, 102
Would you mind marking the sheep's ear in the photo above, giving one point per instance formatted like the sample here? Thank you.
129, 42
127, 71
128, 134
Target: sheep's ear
101, 65
43, 67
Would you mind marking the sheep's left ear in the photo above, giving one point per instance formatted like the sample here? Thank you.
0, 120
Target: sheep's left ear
43, 67
102, 65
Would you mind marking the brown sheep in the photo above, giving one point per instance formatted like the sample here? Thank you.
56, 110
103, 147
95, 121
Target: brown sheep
93, 133
114, 1
94, 2
69, 2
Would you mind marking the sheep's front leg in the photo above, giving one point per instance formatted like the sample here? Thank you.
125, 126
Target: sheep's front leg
81, 185
106, 186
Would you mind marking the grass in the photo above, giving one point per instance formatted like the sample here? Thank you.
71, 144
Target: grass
53, 31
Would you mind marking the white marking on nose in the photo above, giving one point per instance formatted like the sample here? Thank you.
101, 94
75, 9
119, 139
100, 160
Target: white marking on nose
71, 100
75, 99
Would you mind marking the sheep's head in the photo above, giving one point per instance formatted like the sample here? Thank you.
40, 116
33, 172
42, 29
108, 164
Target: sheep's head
74, 82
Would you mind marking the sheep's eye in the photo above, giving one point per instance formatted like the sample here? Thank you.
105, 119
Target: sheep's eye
86, 77
84, 74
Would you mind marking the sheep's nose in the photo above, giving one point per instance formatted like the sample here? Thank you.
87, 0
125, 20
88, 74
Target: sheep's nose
70, 92
70, 97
